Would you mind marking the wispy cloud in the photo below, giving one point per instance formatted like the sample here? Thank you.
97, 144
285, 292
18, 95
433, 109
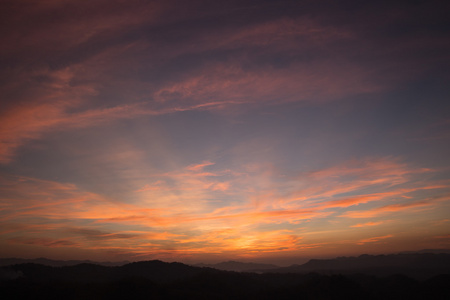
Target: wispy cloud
70, 95
199, 167
296, 83
399, 207
45, 242
52, 208
368, 224
93, 234
230, 128
374, 239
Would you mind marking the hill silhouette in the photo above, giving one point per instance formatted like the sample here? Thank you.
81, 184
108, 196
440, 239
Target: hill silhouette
416, 265
160, 280
155, 270
239, 266
56, 263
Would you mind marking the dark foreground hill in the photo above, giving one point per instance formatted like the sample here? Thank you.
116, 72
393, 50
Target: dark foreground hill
160, 280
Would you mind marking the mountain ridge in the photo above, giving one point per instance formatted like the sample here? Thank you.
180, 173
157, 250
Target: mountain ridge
416, 265
57, 263
163, 280
238, 266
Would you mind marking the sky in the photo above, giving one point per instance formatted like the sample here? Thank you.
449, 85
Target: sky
204, 131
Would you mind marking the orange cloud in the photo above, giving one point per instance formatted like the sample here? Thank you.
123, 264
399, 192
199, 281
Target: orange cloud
90, 221
158, 185
221, 186
394, 208
445, 237
24, 123
440, 222
376, 170
368, 224
353, 176
346, 202
199, 167
373, 239
352, 201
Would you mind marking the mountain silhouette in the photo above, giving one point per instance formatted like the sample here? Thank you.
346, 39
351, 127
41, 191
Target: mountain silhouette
56, 263
155, 270
161, 280
238, 266
417, 265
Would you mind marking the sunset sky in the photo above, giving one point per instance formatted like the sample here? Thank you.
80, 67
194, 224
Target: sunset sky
204, 131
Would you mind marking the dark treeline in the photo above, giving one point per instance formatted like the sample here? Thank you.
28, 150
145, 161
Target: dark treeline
159, 280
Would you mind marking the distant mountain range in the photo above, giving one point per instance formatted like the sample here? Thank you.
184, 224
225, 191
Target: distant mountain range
412, 276
154, 270
57, 263
225, 266
420, 265
239, 266
417, 265
435, 251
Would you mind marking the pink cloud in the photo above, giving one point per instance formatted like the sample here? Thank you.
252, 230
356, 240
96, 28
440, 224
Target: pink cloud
296, 83
282, 32
85, 21
33, 120
48, 105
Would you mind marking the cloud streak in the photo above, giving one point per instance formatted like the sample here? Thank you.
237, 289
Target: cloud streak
160, 129
374, 239
84, 218
51, 94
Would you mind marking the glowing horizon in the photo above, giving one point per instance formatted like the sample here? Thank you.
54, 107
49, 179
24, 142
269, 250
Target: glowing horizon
247, 131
